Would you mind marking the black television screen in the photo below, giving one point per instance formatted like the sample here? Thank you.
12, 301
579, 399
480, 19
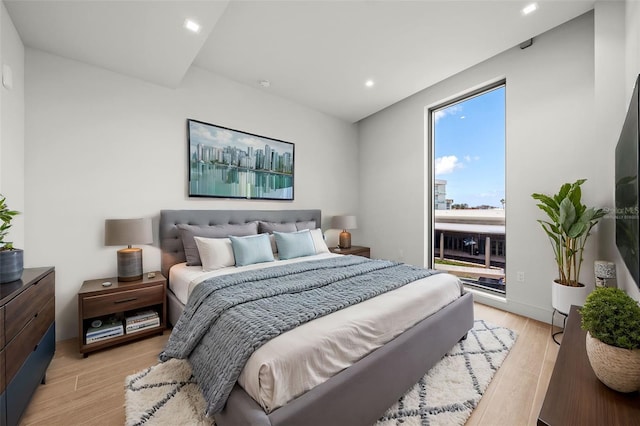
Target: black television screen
627, 189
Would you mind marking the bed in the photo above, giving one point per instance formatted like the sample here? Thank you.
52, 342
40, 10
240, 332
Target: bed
357, 395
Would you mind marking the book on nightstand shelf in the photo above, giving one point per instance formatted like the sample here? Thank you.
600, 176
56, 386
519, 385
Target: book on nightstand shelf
141, 321
106, 330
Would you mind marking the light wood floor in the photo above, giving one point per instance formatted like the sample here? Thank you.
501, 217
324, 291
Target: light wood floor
90, 391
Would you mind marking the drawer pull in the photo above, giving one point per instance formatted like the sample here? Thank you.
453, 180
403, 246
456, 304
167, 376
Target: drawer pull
35, 348
131, 299
36, 315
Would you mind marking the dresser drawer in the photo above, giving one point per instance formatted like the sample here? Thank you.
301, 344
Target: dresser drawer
2, 342
3, 385
26, 341
105, 304
27, 304
29, 376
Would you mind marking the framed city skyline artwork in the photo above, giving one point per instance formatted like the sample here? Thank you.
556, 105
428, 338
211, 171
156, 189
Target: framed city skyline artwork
228, 163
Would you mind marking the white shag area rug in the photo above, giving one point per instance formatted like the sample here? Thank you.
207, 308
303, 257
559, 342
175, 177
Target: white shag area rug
167, 393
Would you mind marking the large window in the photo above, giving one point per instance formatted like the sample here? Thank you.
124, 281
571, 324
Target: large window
467, 143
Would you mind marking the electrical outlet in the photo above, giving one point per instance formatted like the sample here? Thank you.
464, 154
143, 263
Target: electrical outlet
520, 277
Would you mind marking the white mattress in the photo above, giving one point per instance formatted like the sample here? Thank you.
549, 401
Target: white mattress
302, 358
183, 278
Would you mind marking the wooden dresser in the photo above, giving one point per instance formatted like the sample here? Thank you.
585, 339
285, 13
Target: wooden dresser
575, 396
27, 339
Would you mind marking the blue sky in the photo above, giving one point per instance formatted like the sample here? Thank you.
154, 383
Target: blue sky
469, 149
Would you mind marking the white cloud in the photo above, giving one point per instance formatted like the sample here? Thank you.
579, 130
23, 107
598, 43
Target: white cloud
256, 143
201, 132
223, 136
467, 158
447, 164
208, 135
452, 110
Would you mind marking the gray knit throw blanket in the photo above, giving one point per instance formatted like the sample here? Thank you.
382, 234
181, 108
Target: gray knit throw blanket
227, 318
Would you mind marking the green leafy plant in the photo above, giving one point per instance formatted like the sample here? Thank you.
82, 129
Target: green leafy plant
613, 317
6, 216
568, 226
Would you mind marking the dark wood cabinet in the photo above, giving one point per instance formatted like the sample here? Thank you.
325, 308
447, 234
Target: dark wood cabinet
355, 250
27, 339
575, 396
120, 299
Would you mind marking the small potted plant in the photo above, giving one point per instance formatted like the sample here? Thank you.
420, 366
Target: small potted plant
11, 259
612, 321
568, 227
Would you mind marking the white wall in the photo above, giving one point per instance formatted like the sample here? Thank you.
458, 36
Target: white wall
550, 140
102, 145
632, 43
632, 69
617, 40
12, 127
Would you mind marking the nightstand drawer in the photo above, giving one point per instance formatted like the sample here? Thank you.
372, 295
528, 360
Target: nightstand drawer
27, 304
105, 304
26, 341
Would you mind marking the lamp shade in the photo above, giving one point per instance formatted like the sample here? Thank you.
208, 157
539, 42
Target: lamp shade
126, 232
344, 222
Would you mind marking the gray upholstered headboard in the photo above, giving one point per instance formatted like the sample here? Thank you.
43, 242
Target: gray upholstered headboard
171, 243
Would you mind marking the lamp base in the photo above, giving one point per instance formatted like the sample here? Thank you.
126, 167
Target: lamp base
130, 264
345, 239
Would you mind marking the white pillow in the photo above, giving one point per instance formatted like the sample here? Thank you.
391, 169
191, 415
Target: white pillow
318, 241
215, 253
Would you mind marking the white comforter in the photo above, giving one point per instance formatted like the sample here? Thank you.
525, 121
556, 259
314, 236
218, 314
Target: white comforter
308, 355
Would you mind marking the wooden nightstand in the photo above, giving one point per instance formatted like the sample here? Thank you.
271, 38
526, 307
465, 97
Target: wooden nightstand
356, 250
120, 299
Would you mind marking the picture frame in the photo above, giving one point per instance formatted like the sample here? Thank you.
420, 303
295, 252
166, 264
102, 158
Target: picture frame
229, 163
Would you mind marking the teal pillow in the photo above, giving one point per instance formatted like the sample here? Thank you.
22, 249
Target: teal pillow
294, 244
251, 249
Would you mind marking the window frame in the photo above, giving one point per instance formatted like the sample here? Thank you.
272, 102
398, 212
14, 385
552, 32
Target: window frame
431, 179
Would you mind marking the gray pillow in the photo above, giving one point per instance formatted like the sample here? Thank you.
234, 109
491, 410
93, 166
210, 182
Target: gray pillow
310, 224
187, 232
269, 227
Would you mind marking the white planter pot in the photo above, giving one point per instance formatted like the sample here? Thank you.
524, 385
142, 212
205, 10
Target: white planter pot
563, 296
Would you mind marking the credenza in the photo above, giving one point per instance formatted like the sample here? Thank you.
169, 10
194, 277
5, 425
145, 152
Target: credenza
27, 339
575, 396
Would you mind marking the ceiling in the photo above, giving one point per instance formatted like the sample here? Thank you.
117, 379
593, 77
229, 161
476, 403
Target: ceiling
316, 53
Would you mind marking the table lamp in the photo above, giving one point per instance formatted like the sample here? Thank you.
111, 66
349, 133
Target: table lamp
344, 223
126, 232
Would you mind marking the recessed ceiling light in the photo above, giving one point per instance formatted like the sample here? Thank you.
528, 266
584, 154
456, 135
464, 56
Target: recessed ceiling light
264, 83
530, 8
192, 25
369, 83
